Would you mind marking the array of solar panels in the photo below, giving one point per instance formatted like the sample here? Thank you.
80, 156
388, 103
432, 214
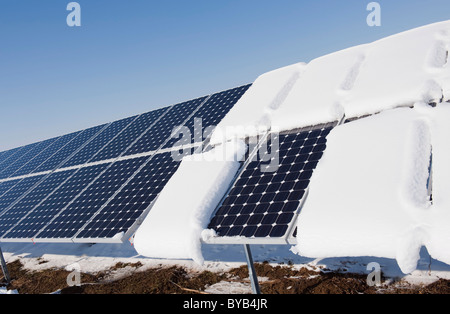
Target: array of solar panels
95, 185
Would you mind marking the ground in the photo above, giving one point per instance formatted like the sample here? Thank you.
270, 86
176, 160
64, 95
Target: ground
280, 279
117, 269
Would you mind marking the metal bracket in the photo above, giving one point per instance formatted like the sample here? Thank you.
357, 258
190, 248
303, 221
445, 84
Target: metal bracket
4, 268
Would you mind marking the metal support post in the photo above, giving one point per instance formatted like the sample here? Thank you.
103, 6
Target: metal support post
251, 270
4, 267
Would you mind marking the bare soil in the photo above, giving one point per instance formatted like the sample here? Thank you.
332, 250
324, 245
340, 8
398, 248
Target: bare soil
282, 279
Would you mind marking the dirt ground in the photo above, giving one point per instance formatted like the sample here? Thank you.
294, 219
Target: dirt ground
282, 279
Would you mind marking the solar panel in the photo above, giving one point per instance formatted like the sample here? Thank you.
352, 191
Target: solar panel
68, 150
6, 186
6, 155
85, 205
44, 212
17, 155
210, 114
103, 139
132, 133
18, 188
92, 185
162, 130
17, 211
46, 154
134, 198
31, 154
263, 204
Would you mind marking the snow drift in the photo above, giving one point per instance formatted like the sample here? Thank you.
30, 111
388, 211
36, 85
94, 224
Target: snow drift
374, 175
182, 211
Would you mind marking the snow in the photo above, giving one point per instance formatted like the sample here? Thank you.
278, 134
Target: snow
252, 113
320, 93
396, 71
367, 184
401, 70
173, 228
368, 199
5, 291
438, 235
218, 258
374, 173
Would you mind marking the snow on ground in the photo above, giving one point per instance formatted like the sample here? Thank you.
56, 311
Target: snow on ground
5, 291
174, 226
220, 258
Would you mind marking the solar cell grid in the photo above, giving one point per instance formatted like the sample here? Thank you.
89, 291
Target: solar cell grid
263, 204
118, 146
81, 139
6, 186
15, 213
6, 155
93, 147
133, 199
43, 213
18, 189
162, 130
50, 151
84, 206
209, 114
37, 149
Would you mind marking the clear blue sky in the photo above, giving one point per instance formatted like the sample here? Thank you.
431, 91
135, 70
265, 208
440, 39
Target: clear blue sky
131, 56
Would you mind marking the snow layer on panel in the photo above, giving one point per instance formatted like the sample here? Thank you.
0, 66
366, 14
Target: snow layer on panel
369, 190
401, 70
252, 113
174, 225
438, 243
318, 95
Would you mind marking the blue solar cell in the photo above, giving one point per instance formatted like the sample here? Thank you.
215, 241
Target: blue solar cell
6, 186
46, 154
132, 200
68, 150
42, 214
210, 114
162, 130
7, 155
18, 154
18, 211
94, 146
81, 209
37, 149
262, 204
18, 188
120, 144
